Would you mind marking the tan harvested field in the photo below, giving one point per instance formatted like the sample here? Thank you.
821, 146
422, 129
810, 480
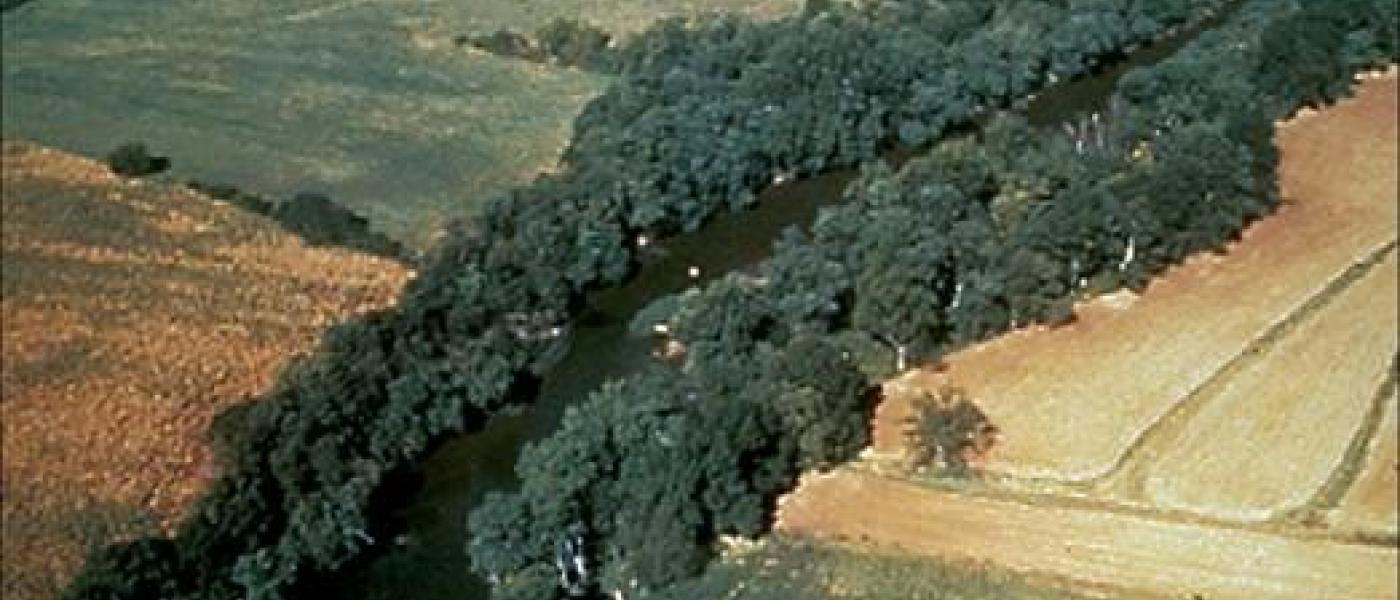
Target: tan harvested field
1237, 388
1113, 553
1071, 402
133, 313
1269, 436
1370, 505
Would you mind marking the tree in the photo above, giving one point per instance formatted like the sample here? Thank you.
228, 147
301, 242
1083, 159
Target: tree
144, 568
806, 287
947, 430
821, 402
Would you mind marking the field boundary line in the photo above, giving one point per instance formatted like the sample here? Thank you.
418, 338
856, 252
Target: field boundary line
1125, 478
1079, 500
1353, 463
1160, 557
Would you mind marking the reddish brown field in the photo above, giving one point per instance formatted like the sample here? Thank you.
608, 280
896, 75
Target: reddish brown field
1070, 402
1114, 553
133, 313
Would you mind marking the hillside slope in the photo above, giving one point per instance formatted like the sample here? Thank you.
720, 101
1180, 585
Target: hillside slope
134, 313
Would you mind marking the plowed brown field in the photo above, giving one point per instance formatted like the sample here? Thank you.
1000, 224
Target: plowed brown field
1122, 555
1070, 402
133, 313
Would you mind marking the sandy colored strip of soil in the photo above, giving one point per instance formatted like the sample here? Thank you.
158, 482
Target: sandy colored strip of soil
133, 313
1370, 505
1129, 554
1268, 437
1069, 402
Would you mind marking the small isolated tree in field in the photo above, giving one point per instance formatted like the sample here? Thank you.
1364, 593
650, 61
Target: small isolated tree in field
134, 160
948, 431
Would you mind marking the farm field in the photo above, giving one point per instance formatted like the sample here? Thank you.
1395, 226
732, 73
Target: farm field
620, 17
275, 99
1250, 454
133, 314
1104, 553
394, 121
1369, 505
1304, 400
1062, 415
798, 567
647, 372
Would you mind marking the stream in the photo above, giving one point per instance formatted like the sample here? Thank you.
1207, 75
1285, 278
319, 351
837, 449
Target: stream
428, 560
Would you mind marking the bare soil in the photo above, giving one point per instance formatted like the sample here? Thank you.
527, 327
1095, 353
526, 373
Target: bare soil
1115, 554
133, 313
1070, 402
1139, 444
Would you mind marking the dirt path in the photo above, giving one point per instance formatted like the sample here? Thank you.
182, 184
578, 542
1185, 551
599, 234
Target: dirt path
1120, 553
133, 313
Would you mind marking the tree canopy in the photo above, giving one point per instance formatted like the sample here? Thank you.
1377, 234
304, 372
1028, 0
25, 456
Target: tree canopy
643, 477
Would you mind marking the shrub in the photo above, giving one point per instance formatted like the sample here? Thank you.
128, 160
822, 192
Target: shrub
322, 222
134, 160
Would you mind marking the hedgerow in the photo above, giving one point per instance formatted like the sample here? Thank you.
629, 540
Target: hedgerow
1006, 227
701, 116
314, 217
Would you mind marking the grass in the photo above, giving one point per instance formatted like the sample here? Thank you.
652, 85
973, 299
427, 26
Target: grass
134, 313
407, 130
793, 567
369, 102
620, 17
